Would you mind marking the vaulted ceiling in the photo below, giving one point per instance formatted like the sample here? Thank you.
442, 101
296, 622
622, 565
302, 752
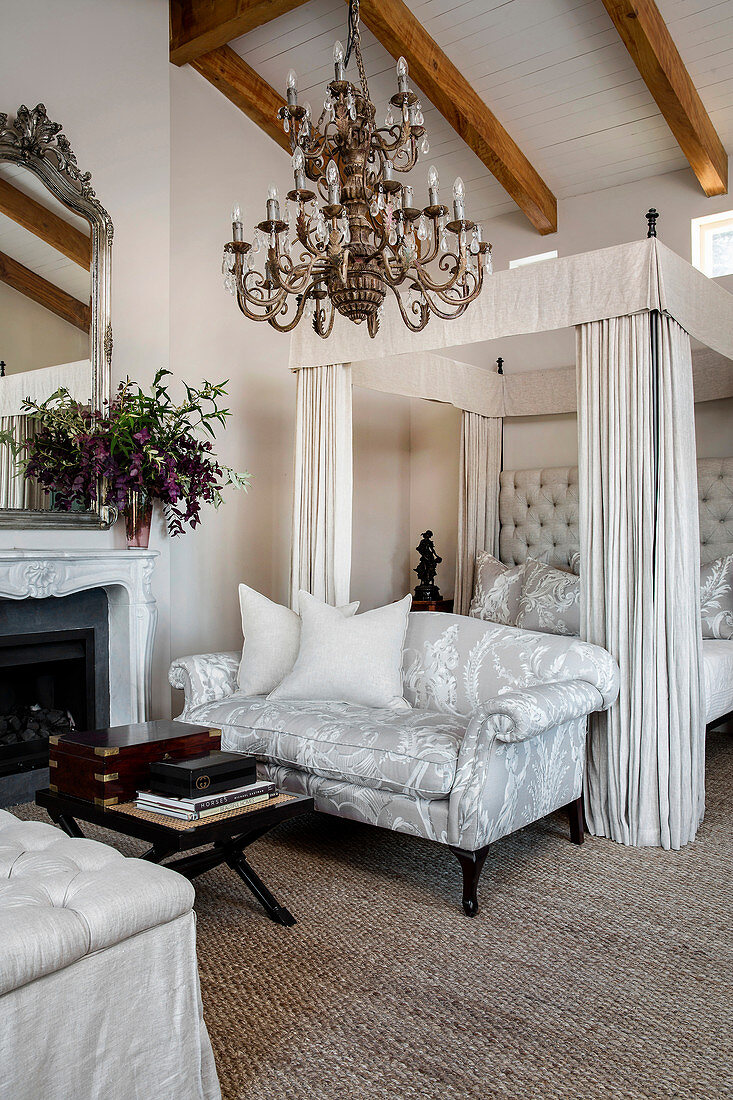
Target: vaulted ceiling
589, 93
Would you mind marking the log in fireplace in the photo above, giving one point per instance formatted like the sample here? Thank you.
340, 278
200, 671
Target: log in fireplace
54, 674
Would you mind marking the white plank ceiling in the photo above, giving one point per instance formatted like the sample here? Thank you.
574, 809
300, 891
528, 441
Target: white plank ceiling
555, 73
30, 250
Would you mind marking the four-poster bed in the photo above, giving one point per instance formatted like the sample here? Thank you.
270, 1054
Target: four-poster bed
634, 308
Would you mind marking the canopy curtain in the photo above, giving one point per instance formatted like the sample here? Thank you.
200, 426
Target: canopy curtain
640, 563
478, 499
323, 482
15, 490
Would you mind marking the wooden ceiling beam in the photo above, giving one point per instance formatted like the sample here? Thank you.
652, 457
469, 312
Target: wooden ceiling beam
647, 38
46, 294
246, 89
44, 223
199, 26
392, 22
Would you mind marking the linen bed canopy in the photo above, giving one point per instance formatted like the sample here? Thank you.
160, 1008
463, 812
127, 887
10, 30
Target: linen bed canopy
634, 308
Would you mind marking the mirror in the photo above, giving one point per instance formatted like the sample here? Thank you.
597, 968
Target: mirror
55, 328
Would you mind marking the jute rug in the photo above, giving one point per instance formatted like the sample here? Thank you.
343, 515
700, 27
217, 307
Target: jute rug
593, 972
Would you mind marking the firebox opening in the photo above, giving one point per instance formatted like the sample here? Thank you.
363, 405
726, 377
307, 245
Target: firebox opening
46, 687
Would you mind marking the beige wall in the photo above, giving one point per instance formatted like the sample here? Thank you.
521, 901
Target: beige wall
435, 438
33, 337
102, 70
381, 512
218, 157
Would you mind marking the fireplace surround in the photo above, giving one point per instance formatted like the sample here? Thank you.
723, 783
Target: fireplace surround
96, 641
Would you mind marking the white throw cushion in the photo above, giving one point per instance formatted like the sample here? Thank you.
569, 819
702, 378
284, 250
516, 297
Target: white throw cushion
550, 600
356, 660
716, 598
496, 590
271, 641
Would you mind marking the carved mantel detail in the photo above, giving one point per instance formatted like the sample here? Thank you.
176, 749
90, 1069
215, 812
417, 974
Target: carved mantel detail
126, 577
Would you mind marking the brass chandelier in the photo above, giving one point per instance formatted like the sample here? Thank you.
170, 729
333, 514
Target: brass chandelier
366, 236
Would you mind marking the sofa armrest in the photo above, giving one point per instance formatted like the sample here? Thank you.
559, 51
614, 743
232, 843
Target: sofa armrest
518, 715
205, 677
522, 755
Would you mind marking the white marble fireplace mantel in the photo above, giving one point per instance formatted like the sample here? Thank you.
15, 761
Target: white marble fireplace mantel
125, 575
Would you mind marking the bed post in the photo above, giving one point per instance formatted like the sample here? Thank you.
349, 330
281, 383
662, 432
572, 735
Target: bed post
654, 314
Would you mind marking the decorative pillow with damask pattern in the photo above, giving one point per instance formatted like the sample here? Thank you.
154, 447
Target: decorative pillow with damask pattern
496, 590
550, 600
716, 598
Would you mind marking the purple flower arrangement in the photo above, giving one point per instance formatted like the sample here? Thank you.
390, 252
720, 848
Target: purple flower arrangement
139, 444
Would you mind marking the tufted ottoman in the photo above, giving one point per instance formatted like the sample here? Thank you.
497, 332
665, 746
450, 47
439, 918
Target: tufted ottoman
99, 989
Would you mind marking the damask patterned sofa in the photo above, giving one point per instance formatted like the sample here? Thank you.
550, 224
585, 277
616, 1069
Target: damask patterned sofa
493, 740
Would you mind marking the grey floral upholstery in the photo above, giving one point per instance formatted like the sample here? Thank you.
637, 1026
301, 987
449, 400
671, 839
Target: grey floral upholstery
495, 738
550, 600
406, 751
496, 590
716, 598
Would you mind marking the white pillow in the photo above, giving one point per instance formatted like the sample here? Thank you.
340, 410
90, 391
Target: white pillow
271, 640
356, 660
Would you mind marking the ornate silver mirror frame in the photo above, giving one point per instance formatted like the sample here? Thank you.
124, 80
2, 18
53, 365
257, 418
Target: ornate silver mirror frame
32, 141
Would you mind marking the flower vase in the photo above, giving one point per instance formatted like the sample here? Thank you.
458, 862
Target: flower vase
138, 516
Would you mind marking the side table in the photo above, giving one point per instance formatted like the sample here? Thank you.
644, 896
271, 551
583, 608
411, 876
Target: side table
223, 838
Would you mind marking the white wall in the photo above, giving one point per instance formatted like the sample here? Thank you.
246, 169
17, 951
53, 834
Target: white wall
102, 70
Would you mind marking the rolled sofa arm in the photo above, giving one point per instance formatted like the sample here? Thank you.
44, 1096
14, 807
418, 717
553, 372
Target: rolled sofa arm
518, 715
205, 677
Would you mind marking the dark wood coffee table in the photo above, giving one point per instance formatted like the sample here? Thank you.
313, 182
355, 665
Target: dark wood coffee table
223, 839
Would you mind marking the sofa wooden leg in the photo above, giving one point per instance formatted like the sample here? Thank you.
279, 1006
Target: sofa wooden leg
577, 820
472, 864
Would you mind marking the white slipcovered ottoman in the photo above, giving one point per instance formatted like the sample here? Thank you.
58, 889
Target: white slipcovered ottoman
99, 987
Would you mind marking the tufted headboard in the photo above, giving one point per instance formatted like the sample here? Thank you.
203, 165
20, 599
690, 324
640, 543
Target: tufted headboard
538, 512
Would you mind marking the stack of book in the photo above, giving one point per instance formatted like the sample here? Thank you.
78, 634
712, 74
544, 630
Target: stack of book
203, 806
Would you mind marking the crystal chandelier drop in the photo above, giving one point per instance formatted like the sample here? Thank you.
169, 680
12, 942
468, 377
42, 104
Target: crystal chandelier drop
357, 235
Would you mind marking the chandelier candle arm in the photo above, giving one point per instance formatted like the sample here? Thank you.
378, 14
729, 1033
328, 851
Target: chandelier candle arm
357, 231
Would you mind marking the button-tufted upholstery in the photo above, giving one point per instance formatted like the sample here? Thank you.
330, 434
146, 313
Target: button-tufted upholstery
715, 495
63, 898
538, 513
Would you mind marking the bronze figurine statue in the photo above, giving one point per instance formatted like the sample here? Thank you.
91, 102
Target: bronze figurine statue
426, 568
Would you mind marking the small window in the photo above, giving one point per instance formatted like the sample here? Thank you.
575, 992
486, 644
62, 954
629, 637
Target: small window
712, 244
534, 259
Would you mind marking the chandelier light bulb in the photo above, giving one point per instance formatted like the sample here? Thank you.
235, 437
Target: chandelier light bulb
402, 75
333, 180
298, 160
433, 177
236, 212
338, 60
273, 204
292, 92
459, 195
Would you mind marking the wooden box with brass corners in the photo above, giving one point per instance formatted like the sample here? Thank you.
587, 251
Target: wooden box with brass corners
110, 766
